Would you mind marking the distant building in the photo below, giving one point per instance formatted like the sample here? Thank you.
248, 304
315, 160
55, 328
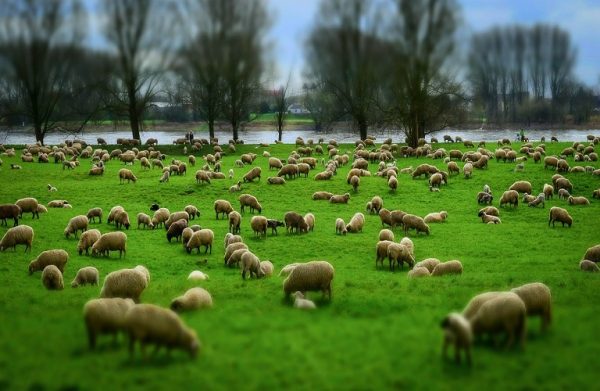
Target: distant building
297, 108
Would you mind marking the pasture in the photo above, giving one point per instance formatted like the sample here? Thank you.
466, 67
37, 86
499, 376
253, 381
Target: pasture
381, 330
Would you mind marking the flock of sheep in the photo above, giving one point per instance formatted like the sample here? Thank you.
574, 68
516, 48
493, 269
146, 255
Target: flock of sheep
118, 308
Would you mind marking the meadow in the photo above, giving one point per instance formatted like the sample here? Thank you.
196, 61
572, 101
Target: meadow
381, 330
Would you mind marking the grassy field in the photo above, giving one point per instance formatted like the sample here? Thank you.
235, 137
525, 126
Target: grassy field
380, 331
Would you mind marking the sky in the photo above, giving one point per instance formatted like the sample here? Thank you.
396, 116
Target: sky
581, 18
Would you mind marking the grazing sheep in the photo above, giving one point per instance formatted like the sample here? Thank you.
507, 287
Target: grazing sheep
521, 187
28, 205
322, 195
125, 283
593, 253
275, 180
484, 198
429, 264
309, 218
151, 324
324, 176
578, 201
504, 313
121, 218
113, 212
417, 272
356, 223
105, 316
381, 251
235, 220
176, 230
385, 234
375, 205
273, 224
340, 227
399, 253
197, 275
52, 278
510, 197
250, 263
457, 332
275, 163
355, 182
563, 194
251, 201
75, 224
160, 217
93, 213
436, 180
222, 207
310, 276
339, 199
57, 258
468, 170
476, 302
111, 241
176, 216
252, 174
236, 257
192, 211
236, 188
87, 240
436, 217
125, 174
295, 220
538, 301
144, 219
561, 215
548, 191
267, 268
450, 267
588, 266
10, 211
259, 225
21, 234
488, 219
393, 183
86, 275
539, 200
202, 176
192, 299
563, 183
231, 248
204, 237
411, 221
301, 303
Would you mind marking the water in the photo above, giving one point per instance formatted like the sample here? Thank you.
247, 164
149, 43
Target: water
289, 136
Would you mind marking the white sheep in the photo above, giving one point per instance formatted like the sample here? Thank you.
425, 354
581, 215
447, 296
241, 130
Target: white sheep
203, 237
192, 299
250, 264
429, 264
417, 272
310, 276
267, 268
75, 224
21, 234
86, 275
457, 332
504, 313
197, 275
125, 283
52, 278
340, 227
450, 267
87, 240
538, 301
105, 316
58, 258
111, 241
287, 269
301, 303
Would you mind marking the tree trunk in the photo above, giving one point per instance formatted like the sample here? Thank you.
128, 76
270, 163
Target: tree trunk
363, 127
279, 134
39, 135
211, 129
134, 119
234, 128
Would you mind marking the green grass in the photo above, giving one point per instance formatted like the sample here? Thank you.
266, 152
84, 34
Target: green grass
380, 331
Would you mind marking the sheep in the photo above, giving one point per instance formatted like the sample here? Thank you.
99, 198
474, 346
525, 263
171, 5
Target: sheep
310, 276
436, 217
51, 188
176, 229
563, 194
266, 267
160, 217
561, 215
58, 258
87, 239
222, 207
235, 188
113, 212
521, 187
595, 194
488, 219
197, 275
236, 257
192, 211
538, 301
504, 313
411, 221
259, 225
149, 323
457, 332
93, 213
287, 269
510, 197
275, 180
105, 316
417, 272
548, 191
588, 266
563, 183
295, 220
399, 253
393, 183
484, 198
251, 201
539, 200
192, 299
386, 234
28, 205
324, 176
476, 302
202, 176
301, 303
250, 263
322, 195
231, 248
204, 237
381, 251
309, 218
21, 234
121, 218
356, 223
57, 203
86, 275
468, 170
339, 199
176, 216
144, 219
75, 224
449, 267
273, 224
125, 283
355, 182
593, 253
429, 264
275, 163
252, 174
111, 241
436, 180
340, 227
235, 220
52, 278
10, 211
125, 174
578, 201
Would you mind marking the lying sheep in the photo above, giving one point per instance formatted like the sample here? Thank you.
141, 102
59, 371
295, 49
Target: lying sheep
510, 197
429, 264
21, 234
436, 217
302, 303
457, 332
411, 221
417, 272
340, 227
275, 180
75, 224
578, 201
105, 316
93, 213
450, 267
204, 237
192, 299
588, 266
488, 219
58, 258
322, 195
484, 198
356, 223
222, 207
125, 283
152, 324
197, 275
236, 188
251, 264
504, 313
111, 241
86, 275
561, 215
310, 276
538, 301
52, 278
339, 199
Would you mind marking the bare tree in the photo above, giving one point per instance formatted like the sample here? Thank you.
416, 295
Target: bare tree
281, 98
38, 51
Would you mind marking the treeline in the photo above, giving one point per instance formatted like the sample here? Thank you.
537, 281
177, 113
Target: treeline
373, 63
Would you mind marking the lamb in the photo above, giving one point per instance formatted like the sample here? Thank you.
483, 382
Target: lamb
126, 283
21, 234
235, 220
429, 264
510, 197
310, 276
386, 234
393, 183
252, 174
489, 219
399, 253
266, 267
192, 299
192, 211
538, 301
588, 266
10, 211
302, 303
75, 224
57, 258
259, 225
250, 263
322, 195
52, 278
484, 198
93, 213
222, 207
105, 316
563, 194
204, 237
176, 230
436, 217
450, 267
251, 201
593, 253
356, 223
503, 313
197, 275
411, 221
57, 203
417, 272
149, 323
111, 241
28, 205
235, 188
86, 275
160, 217
539, 200
176, 216
231, 173
521, 187
339, 199
457, 332
275, 180
273, 224
309, 218
340, 227
561, 215
144, 219
87, 240
578, 201
125, 174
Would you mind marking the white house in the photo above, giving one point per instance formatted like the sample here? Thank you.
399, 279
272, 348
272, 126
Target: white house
297, 108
